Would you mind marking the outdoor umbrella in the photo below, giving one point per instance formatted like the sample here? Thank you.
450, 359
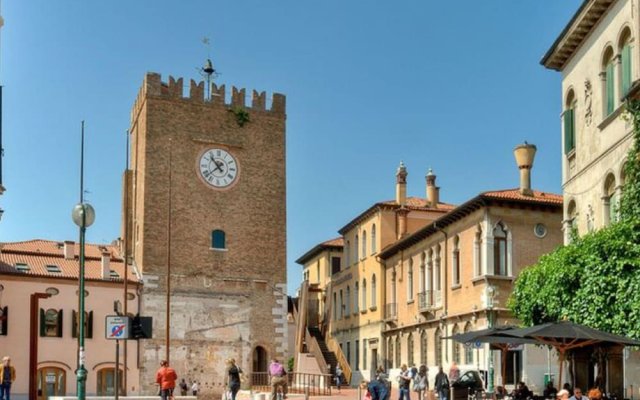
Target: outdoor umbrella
566, 335
498, 337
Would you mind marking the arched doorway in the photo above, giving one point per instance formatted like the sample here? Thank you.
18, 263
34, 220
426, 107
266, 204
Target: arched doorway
51, 382
260, 377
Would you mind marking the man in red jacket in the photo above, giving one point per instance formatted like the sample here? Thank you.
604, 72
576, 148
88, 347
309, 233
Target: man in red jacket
166, 377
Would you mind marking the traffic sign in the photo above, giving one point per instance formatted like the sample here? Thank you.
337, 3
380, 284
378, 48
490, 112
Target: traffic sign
117, 327
478, 345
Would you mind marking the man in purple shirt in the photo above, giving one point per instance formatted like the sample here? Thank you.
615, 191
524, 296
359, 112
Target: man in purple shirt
278, 378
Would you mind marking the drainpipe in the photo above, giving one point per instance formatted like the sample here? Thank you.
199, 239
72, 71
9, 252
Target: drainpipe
445, 292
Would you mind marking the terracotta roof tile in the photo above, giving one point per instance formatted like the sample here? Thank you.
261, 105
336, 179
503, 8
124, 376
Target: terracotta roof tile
419, 203
339, 241
514, 194
37, 254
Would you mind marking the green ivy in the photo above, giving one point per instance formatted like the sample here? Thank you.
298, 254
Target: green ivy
242, 116
595, 280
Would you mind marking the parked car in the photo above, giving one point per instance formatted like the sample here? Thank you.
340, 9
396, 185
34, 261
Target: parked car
469, 383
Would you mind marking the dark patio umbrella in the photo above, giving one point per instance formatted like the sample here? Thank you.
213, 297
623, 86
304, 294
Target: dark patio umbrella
566, 335
499, 337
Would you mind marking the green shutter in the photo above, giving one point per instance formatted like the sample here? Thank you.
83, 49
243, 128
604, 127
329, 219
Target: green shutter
626, 69
89, 332
569, 131
42, 323
60, 319
610, 86
74, 323
5, 322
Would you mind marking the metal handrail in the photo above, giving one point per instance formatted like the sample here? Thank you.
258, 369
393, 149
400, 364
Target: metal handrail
297, 382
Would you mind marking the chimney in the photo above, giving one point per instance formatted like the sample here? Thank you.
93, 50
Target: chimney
69, 250
525, 154
433, 192
106, 269
401, 185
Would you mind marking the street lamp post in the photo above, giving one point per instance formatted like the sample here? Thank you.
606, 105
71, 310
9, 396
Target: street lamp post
490, 294
83, 215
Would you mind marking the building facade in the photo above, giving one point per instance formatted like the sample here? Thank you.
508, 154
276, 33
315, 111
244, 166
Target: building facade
439, 280
42, 266
207, 212
598, 57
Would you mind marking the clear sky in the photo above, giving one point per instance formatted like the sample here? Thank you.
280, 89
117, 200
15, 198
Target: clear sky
451, 85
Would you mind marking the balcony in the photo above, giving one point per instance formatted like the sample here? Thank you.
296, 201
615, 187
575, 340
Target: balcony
429, 299
391, 312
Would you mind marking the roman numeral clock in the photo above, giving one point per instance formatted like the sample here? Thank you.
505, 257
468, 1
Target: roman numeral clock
218, 168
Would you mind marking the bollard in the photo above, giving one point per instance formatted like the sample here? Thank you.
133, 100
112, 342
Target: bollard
306, 393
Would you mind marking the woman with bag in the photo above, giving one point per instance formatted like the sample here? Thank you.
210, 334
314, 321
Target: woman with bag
421, 382
232, 379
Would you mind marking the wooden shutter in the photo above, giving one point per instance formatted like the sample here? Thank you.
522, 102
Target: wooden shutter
610, 88
89, 332
5, 322
60, 324
42, 323
74, 324
569, 134
626, 69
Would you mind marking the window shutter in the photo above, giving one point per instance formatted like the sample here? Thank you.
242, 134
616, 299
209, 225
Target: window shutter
89, 332
74, 324
59, 326
42, 325
5, 322
610, 87
626, 69
569, 134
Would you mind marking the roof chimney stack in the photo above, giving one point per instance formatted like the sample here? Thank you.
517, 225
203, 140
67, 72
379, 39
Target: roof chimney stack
69, 250
433, 192
525, 154
106, 267
401, 185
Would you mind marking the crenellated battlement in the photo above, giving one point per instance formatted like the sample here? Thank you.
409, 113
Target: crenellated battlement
175, 89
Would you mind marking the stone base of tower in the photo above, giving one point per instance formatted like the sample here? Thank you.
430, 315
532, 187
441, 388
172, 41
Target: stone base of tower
245, 320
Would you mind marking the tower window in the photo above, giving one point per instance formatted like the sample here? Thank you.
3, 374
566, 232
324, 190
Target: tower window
218, 239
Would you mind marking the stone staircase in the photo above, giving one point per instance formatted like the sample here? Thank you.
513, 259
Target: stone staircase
329, 356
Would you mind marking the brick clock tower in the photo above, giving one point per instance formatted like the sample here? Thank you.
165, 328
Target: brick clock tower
206, 194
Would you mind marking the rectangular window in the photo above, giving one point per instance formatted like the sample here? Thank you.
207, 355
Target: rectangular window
335, 265
22, 267
218, 239
626, 69
610, 88
88, 324
569, 131
53, 269
357, 360
364, 354
500, 257
349, 353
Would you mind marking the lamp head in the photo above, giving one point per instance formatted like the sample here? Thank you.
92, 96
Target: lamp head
83, 215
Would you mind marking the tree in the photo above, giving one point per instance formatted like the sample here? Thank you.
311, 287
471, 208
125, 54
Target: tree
595, 280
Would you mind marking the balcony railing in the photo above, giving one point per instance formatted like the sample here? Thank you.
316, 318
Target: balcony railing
429, 299
313, 384
391, 311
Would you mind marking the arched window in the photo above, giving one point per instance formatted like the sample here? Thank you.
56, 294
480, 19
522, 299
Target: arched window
364, 294
410, 362
347, 254
347, 310
390, 353
341, 305
106, 382
626, 66
456, 346
355, 250
569, 118
468, 356
477, 249
610, 200
364, 244
398, 352
423, 348
373, 291
394, 292
335, 306
430, 277
373, 239
218, 240
422, 298
438, 347
456, 260
438, 275
608, 81
499, 250
356, 299
410, 280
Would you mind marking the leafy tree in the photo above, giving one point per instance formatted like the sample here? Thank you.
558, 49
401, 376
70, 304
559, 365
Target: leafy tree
595, 280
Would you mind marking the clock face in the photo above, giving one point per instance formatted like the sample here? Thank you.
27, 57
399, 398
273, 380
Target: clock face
218, 168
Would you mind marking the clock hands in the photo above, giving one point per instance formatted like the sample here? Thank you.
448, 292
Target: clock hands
218, 164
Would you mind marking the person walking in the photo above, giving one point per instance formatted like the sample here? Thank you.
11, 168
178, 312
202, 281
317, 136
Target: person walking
404, 380
195, 388
338, 377
577, 395
421, 382
183, 387
379, 388
232, 379
278, 378
166, 377
441, 385
7, 377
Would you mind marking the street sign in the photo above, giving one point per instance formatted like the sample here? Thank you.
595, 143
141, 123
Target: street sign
478, 345
117, 327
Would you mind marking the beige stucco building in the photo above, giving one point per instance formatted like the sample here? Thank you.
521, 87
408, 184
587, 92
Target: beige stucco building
42, 266
597, 55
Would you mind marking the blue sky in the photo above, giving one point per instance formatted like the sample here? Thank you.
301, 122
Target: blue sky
451, 85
